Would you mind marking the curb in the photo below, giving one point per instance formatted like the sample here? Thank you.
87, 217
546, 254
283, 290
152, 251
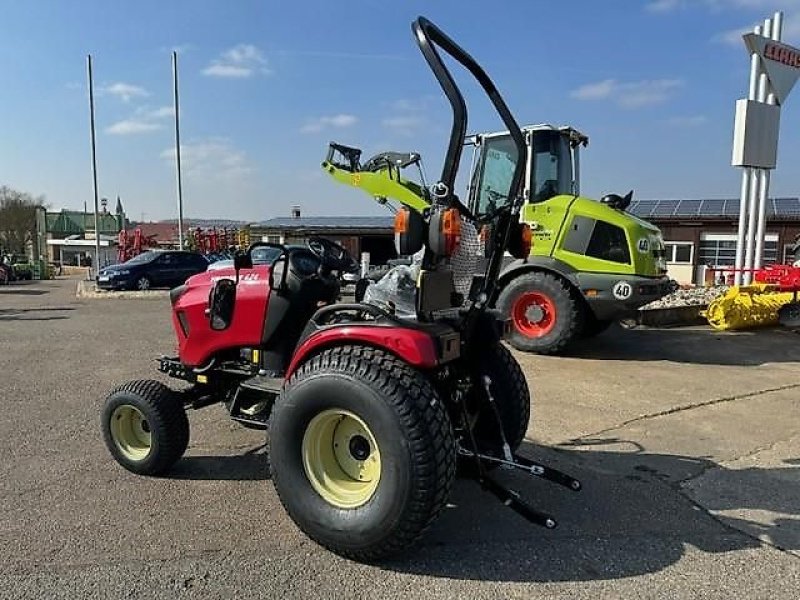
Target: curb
88, 289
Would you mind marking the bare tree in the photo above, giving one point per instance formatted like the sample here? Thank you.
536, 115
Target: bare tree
17, 219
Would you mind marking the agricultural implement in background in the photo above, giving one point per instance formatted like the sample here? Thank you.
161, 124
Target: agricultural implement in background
133, 245
771, 299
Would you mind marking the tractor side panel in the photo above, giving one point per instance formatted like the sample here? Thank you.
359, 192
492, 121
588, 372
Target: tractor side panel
415, 347
197, 342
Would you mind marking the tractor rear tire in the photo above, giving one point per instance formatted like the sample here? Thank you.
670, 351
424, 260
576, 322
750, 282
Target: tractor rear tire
362, 453
545, 314
145, 426
511, 395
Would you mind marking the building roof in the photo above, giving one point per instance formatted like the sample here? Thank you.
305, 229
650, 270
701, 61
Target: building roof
162, 232
69, 222
344, 223
778, 209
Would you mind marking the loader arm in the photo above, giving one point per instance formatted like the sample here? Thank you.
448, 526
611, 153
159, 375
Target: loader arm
381, 179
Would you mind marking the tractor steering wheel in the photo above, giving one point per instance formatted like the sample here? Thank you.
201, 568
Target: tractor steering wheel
332, 256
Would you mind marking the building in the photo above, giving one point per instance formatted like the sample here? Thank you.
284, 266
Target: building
701, 233
69, 235
357, 234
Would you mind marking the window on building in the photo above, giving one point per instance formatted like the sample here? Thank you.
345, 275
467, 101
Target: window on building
722, 252
717, 252
609, 243
679, 252
791, 253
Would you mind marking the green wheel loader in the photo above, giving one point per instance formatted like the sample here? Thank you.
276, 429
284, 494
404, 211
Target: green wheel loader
591, 262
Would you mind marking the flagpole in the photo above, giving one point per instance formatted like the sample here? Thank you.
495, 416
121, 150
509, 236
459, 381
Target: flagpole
177, 147
94, 166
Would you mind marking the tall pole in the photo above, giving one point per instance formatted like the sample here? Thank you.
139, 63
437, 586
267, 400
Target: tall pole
749, 176
178, 148
94, 167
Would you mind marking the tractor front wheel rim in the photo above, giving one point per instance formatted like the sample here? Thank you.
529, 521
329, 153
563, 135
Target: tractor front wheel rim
131, 432
341, 458
534, 314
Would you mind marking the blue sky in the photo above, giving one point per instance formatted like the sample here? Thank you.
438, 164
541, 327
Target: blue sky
265, 85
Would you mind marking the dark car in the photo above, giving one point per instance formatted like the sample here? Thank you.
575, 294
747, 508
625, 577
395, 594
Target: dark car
164, 268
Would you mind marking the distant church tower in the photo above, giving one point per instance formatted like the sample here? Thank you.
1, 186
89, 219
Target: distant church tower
119, 214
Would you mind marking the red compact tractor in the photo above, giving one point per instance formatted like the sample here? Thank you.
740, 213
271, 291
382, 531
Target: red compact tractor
370, 413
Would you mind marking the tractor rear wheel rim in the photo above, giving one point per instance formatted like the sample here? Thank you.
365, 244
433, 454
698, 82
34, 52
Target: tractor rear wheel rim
534, 314
341, 458
130, 432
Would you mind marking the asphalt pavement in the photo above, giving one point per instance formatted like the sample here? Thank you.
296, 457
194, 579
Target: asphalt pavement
686, 441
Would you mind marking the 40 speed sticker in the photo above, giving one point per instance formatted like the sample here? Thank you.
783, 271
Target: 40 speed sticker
622, 290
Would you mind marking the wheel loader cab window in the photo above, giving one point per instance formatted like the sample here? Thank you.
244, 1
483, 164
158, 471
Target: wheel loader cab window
609, 242
552, 166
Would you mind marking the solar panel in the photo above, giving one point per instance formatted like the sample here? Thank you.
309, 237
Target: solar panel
645, 208
688, 208
712, 207
665, 207
731, 208
787, 206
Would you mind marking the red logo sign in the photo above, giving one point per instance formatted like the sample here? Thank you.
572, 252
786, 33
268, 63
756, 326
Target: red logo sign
785, 56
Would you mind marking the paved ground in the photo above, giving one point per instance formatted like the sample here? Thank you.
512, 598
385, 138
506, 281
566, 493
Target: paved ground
686, 440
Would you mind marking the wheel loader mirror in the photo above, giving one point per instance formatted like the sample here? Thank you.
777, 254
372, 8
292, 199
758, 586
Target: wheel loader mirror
409, 231
221, 303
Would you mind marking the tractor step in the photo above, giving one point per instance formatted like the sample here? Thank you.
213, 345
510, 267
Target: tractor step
259, 383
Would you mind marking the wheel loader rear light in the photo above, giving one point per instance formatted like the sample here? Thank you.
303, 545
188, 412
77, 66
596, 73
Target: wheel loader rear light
450, 228
526, 239
401, 221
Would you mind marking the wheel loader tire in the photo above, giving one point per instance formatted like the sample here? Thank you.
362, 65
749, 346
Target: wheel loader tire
145, 426
362, 453
545, 314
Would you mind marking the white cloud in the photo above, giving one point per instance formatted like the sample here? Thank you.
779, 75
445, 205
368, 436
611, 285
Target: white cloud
339, 121
158, 113
595, 91
211, 159
125, 91
244, 60
663, 5
630, 95
144, 120
131, 126
404, 124
688, 121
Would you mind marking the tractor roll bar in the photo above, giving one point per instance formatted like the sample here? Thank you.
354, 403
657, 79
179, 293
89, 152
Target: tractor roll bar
429, 36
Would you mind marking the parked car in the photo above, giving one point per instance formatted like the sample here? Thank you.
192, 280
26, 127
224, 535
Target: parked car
152, 269
262, 255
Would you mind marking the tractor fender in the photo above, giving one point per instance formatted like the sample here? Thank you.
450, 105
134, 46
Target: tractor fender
415, 347
539, 263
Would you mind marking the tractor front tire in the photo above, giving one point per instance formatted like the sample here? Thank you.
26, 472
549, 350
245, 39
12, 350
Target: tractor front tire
544, 312
145, 426
361, 451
